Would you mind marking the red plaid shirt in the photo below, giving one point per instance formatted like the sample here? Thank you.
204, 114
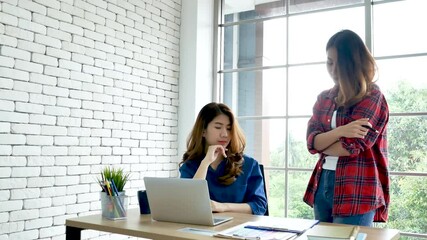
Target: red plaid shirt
361, 179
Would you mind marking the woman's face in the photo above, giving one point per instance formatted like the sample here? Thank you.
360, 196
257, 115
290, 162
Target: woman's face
218, 131
331, 63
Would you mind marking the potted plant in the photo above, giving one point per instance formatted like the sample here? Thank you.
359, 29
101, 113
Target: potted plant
113, 198
115, 176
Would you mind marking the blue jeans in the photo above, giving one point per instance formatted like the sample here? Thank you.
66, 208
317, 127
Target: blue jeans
323, 200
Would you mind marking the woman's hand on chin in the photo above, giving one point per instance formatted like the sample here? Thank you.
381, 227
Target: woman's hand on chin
213, 152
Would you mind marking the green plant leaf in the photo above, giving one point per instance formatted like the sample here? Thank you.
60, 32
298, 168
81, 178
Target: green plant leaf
117, 175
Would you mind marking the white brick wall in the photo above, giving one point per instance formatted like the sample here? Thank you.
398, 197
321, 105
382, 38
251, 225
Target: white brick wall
83, 84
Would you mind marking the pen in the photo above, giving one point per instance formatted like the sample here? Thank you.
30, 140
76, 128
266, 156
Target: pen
236, 236
121, 204
108, 188
272, 229
115, 190
366, 126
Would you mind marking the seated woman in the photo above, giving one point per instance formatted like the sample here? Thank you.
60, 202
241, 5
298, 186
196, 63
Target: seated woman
215, 153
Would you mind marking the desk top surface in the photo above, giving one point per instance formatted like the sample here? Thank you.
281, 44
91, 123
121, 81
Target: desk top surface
143, 226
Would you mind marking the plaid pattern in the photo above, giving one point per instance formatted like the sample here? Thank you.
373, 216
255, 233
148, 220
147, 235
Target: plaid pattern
362, 179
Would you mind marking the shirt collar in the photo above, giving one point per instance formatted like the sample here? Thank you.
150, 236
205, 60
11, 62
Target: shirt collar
332, 93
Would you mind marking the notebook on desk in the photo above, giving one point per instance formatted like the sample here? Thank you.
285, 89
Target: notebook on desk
181, 200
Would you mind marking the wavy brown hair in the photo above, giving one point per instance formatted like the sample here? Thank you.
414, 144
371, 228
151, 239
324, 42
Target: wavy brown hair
196, 143
355, 67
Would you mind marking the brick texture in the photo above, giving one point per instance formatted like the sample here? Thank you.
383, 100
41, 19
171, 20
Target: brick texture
83, 84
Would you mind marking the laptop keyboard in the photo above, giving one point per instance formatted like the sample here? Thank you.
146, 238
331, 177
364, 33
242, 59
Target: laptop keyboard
217, 220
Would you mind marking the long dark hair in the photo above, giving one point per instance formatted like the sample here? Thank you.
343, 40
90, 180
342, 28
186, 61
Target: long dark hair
196, 143
355, 67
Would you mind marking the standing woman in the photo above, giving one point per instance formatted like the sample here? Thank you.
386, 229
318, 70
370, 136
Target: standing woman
215, 153
350, 182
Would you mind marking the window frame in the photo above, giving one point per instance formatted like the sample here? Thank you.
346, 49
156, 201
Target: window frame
220, 71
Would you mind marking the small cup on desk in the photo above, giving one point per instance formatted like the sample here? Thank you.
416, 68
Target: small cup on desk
144, 207
114, 207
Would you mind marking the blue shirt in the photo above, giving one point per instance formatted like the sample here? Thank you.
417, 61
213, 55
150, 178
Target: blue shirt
248, 187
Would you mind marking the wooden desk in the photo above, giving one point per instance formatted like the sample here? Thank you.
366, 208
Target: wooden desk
143, 226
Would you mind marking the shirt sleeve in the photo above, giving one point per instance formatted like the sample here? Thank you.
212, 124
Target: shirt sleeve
186, 170
255, 195
374, 107
314, 126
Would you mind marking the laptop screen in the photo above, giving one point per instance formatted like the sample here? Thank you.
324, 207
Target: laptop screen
180, 200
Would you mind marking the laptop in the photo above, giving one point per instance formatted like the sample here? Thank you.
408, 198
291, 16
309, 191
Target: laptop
181, 200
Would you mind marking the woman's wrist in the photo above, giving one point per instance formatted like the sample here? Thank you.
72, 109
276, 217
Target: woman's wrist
337, 133
205, 163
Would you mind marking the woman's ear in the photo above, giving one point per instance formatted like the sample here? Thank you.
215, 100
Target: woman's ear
204, 133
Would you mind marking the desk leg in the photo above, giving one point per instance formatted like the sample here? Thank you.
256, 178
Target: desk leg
72, 233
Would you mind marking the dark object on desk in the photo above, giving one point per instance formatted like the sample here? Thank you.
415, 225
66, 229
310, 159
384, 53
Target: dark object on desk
241, 232
261, 167
292, 225
326, 232
144, 207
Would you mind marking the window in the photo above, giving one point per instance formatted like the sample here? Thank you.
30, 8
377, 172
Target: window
272, 67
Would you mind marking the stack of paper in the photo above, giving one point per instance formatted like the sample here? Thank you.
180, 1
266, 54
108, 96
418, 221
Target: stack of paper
271, 228
293, 225
241, 232
329, 232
